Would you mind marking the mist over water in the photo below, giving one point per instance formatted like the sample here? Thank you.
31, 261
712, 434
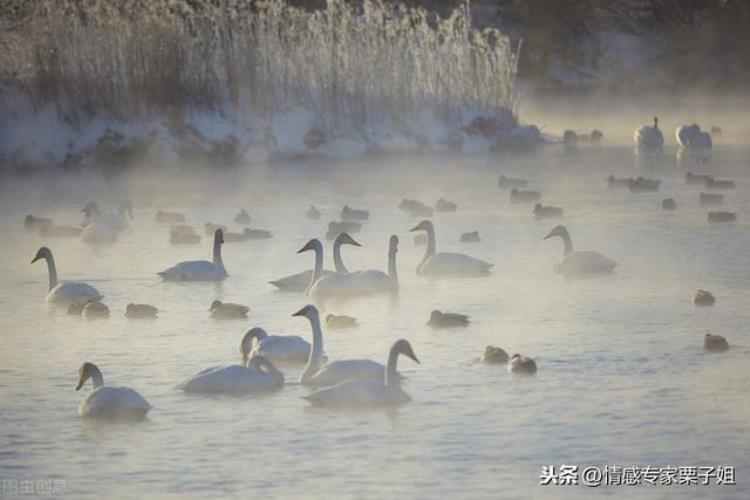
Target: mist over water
622, 375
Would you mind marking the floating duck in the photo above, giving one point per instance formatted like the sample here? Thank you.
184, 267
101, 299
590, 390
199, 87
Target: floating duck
141, 311
470, 237
512, 182
443, 205
227, 310
715, 343
522, 365
338, 321
549, 212
703, 298
439, 319
494, 356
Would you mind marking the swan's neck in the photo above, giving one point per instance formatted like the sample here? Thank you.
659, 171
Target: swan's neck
391, 376
96, 377
51, 270
430, 243
338, 263
318, 269
278, 377
568, 242
392, 266
316, 353
218, 262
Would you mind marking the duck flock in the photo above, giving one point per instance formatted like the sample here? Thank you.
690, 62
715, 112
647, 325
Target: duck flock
335, 382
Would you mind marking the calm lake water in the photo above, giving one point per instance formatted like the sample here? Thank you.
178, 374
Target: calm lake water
622, 379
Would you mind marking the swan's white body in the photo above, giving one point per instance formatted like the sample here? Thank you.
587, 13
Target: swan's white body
692, 137
99, 233
103, 228
66, 292
649, 137
447, 263
300, 282
109, 402
276, 348
359, 283
230, 379
318, 375
368, 393
199, 270
580, 263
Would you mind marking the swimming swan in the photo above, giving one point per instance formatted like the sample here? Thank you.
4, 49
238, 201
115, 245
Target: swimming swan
66, 292
102, 228
579, 263
275, 348
648, 137
109, 402
318, 374
258, 375
301, 281
692, 137
199, 270
445, 263
359, 283
368, 393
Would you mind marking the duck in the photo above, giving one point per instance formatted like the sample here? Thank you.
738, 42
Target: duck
275, 348
107, 401
648, 137
180, 234
372, 281
470, 237
521, 365
544, 213
336, 228
95, 310
697, 179
494, 356
33, 222
317, 374
55, 231
721, 217
615, 183
443, 205
720, 184
66, 292
258, 375
643, 185
163, 217
300, 282
256, 234
242, 217
227, 310
703, 298
710, 199
570, 138
140, 311
439, 319
210, 228
715, 343
596, 135
313, 213
580, 263
415, 208
369, 393
692, 137
521, 196
512, 182
199, 270
339, 321
668, 204
447, 263
350, 214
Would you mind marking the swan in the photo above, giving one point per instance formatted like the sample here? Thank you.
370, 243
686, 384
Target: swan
169, 217
470, 237
703, 298
199, 270
359, 283
444, 263
521, 364
692, 137
439, 319
443, 205
242, 217
96, 228
258, 375
119, 221
668, 204
336, 321
141, 311
227, 310
66, 292
715, 343
318, 374
275, 348
648, 137
369, 393
109, 402
494, 356
301, 281
313, 213
580, 263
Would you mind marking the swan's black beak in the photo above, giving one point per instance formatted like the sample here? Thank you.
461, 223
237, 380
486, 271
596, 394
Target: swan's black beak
301, 312
308, 246
80, 384
35, 259
415, 228
413, 356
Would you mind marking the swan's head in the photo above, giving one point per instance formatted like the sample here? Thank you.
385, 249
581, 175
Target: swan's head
219, 235
393, 245
246, 345
656, 122
425, 225
85, 372
309, 312
42, 253
404, 347
557, 231
216, 304
346, 239
313, 244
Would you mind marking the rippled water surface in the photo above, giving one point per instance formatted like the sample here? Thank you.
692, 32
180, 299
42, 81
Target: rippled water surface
622, 375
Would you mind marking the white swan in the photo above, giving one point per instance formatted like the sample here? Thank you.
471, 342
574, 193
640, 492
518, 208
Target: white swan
109, 402
692, 137
259, 375
368, 393
648, 137
359, 283
102, 228
199, 270
275, 348
446, 263
66, 292
301, 281
318, 374
580, 263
